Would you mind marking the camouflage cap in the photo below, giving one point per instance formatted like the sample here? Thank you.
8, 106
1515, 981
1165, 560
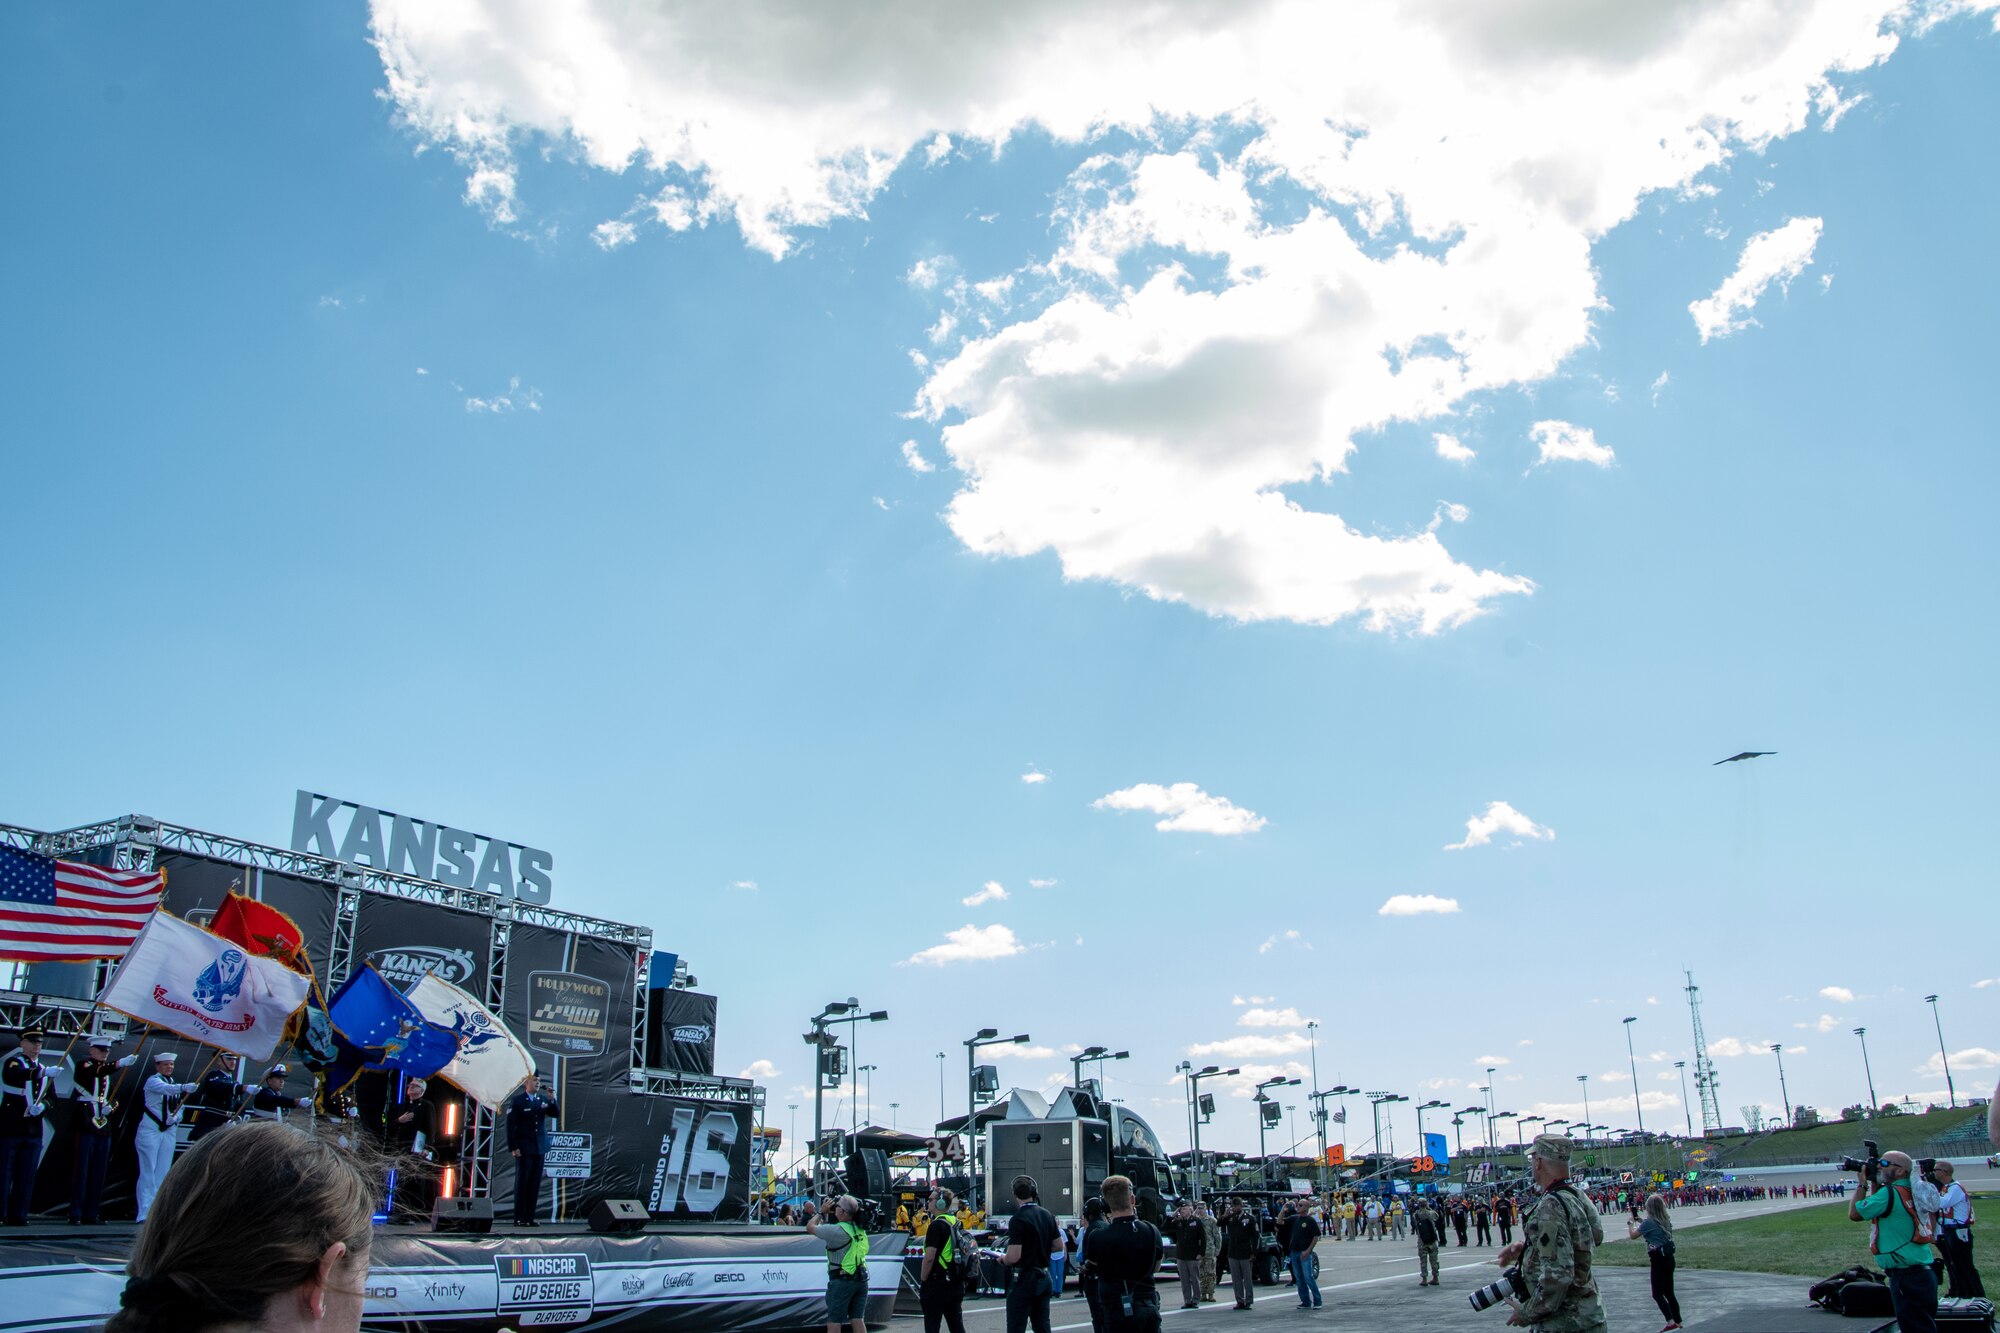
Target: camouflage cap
1554, 1147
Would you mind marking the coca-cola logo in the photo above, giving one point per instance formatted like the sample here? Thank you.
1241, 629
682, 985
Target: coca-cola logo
407, 965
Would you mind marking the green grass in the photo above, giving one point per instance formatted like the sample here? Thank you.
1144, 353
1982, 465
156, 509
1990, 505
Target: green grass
1909, 1133
1812, 1242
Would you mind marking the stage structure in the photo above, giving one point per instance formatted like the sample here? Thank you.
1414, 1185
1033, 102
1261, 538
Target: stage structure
578, 991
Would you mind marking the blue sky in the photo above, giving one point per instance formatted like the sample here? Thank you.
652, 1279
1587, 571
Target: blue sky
345, 474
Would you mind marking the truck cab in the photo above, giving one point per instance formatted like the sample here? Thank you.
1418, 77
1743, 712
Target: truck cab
1069, 1149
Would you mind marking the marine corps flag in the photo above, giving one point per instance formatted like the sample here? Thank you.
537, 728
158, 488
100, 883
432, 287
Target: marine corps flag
261, 930
183, 978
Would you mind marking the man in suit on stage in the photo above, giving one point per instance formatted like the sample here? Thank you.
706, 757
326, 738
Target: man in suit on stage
530, 1116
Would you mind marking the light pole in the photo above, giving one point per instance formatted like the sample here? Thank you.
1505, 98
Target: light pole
1376, 1101
1422, 1107
1319, 1118
792, 1128
893, 1108
1508, 1115
1585, 1080
1529, 1120
827, 1064
1490, 1072
1638, 1111
867, 1073
1091, 1055
1686, 1105
1457, 1134
1778, 1049
1194, 1078
1863, 1034
940, 1087
1950, 1090
984, 1037
1463, 1111
1264, 1118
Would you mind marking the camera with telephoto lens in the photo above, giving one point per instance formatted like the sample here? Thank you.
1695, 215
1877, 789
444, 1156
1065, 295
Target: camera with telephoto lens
1870, 1166
1927, 1168
1509, 1287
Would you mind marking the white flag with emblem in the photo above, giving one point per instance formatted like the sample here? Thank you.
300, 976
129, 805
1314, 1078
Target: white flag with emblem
188, 980
490, 1063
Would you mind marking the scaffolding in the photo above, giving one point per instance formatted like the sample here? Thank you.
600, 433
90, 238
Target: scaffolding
1707, 1086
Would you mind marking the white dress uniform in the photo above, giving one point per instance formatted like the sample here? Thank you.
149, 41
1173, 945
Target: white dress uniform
159, 1127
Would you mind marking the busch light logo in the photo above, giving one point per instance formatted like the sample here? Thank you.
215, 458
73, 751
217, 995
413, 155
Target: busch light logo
221, 981
404, 967
693, 1033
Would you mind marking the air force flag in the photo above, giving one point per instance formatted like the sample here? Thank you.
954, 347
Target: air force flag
490, 1063
187, 980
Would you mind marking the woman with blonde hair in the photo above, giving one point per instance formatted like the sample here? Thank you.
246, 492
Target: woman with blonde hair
257, 1226
1657, 1230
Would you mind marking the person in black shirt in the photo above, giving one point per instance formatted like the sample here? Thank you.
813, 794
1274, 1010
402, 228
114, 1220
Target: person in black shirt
1124, 1255
412, 1126
1190, 1244
1242, 1238
1031, 1236
1086, 1269
1303, 1236
1482, 1216
215, 1098
942, 1298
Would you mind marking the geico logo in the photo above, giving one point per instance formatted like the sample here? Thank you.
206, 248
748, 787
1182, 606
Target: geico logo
730, 1277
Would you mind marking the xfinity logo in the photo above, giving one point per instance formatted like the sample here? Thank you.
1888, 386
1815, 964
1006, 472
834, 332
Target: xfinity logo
730, 1277
406, 966
775, 1275
443, 1291
694, 1033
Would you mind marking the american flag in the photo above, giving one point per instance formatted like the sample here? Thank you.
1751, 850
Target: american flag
61, 912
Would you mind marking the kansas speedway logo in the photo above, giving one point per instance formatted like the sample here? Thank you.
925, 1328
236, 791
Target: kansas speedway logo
694, 1033
406, 966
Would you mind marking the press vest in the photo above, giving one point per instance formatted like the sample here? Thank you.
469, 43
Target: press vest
856, 1252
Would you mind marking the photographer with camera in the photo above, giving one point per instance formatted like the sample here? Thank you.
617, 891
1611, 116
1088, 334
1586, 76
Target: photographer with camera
1899, 1235
846, 1263
1558, 1292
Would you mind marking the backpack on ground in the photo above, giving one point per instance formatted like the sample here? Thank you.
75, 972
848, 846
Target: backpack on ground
1826, 1291
1866, 1299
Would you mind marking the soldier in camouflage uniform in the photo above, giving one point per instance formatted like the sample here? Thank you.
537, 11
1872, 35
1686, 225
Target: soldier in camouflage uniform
1429, 1226
1557, 1237
1211, 1231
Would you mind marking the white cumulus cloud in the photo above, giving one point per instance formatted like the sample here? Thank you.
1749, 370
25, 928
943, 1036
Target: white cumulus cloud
1034, 777
1449, 447
1186, 807
1838, 994
1560, 441
1252, 1047
1500, 817
1416, 904
989, 892
1009, 1050
1301, 223
1270, 1018
1291, 937
760, 1069
1776, 256
1491, 1060
1042, 883
913, 458
1972, 1057
969, 944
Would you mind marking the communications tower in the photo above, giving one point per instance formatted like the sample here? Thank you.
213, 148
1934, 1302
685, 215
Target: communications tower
1705, 1081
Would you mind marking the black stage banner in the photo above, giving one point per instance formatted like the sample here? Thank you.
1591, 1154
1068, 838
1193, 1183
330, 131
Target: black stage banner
681, 1032
405, 939
749, 1278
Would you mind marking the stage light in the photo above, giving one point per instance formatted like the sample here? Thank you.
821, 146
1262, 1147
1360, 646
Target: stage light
450, 1120
448, 1182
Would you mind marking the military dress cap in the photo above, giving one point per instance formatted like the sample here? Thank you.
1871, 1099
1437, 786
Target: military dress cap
99, 1042
31, 1034
1553, 1147
276, 1071
165, 1058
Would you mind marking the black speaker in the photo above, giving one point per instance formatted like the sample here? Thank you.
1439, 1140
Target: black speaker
461, 1214
868, 1173
617, 1217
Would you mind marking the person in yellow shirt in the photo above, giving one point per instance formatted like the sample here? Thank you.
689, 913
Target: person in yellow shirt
902, 1217
965, 1217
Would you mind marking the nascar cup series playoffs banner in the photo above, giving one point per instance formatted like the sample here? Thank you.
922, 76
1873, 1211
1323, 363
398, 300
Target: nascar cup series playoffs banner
737, 1279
